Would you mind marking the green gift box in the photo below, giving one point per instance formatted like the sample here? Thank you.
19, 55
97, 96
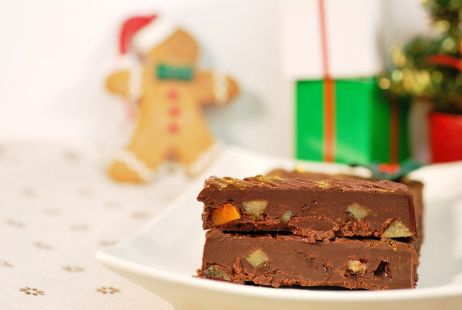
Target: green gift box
349, 121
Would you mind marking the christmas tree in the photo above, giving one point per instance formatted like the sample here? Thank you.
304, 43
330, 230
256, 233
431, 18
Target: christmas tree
430, 67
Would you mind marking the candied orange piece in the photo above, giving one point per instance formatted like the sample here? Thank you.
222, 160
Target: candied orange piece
225, 214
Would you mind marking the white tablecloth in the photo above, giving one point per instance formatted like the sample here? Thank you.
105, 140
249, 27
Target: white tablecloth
57, 208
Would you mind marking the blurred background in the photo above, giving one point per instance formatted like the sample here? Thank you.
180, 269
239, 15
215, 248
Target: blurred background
56, 55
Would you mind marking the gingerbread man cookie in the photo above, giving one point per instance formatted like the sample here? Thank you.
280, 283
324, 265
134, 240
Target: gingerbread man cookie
168, 91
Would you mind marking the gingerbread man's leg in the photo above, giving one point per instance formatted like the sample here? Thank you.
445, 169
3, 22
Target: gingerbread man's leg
192, 145
123, 170
145, 153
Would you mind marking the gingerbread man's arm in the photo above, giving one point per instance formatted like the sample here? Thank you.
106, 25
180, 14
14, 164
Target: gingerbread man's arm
118, 83
215, 89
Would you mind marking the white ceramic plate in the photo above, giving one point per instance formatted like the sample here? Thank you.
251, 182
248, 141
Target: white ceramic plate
163, 256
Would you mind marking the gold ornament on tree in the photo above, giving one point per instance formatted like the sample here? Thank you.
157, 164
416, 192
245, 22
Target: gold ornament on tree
430, 67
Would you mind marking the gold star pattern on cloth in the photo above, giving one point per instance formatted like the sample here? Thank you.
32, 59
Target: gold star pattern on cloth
73, 269
42, 246
57, 209
4, 263
107, 290
32, 291
14, 223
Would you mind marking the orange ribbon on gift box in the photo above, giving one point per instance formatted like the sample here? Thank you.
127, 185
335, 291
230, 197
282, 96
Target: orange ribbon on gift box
329, 90
329, 101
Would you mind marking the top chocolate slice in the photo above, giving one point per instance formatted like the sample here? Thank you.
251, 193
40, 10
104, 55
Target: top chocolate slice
416, 188
318, 209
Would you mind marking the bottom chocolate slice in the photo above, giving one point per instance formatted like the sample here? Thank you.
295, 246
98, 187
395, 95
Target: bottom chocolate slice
287, 260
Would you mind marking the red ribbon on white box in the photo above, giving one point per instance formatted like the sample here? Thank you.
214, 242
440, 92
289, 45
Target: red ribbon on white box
355, 29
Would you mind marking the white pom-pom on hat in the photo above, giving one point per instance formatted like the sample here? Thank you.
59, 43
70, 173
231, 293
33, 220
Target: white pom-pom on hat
153, 34
144, 32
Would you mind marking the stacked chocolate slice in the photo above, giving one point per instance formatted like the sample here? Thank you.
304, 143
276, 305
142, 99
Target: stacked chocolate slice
416, 188
309, 231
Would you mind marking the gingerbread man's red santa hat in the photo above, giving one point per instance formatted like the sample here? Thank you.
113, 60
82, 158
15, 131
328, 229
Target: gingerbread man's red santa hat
144, 32
137, 35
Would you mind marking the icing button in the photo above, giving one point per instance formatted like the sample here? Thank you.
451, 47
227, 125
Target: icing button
173, 128
174, 111
172, 95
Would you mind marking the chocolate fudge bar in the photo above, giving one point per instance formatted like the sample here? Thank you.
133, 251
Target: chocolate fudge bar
318, 209
416, 188
288, 260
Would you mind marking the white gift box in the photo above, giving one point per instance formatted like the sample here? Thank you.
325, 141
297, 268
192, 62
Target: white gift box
353, 31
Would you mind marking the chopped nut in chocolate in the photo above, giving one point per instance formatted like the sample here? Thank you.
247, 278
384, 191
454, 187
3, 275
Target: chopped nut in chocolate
257, 258
216, 272
356, 266
255, 208
397, 229
286, 216
357, 211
